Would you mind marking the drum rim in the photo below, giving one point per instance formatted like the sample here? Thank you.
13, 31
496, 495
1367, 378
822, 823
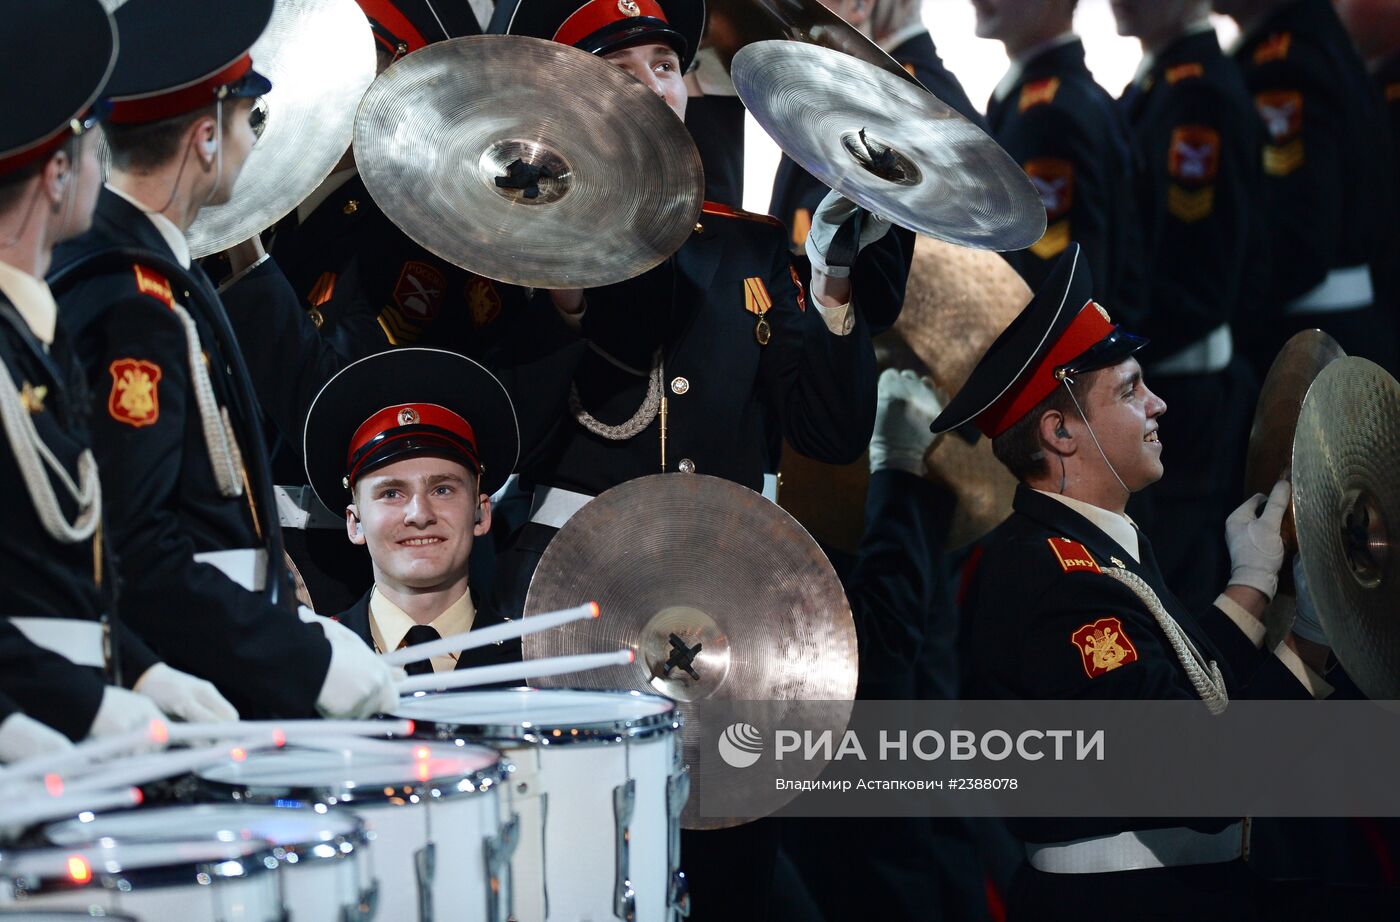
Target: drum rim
357, 837
256, 861
599, 733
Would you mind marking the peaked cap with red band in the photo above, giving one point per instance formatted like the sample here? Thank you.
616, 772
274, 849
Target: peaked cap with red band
408, 403
415, 24
601, 26
178, 56
50, 96
1061, 332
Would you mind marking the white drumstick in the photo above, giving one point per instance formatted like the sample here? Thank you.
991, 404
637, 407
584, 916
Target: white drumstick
38, 810
470, 640
511, 672
156, 735
162, 765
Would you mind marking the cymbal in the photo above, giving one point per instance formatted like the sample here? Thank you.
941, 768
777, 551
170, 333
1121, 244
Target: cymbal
319, 55
621, 186
702, 560
889, 145
732, 24
1346, 493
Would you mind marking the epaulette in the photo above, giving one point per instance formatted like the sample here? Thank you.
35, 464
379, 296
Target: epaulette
724, 211
1273, 48
152, 283
1038, 93
1073, 556
1184, 71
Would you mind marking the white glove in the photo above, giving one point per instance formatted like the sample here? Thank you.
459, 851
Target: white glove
181, 695
829, 216
1306, 623
359, 683
907, 406
22, 737
122, 711
1256, 550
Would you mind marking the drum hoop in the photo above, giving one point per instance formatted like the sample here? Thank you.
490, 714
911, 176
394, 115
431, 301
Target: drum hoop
482, 782
596, 733
155, 877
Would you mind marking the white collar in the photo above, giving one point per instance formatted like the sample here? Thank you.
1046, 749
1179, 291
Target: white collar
1018, 63
173, 236
1116, 525
32, 298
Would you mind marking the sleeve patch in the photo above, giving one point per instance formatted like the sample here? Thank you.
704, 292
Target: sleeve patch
1273, 48
1282, 111
1103, 646
797, 283
135, 397
1054, 241
1054, 181
1184, 72
418, 293
756, 297
1193, 155
1280, 160
1190, 205
483, 301
1073, 556
154, 285
1038, 93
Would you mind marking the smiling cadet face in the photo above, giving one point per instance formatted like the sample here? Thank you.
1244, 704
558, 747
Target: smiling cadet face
1124, 414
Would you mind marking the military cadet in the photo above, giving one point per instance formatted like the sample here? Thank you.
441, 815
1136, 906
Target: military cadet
1069, 601
175, 425
60, 643
1069, 137
411, 444
1198, 139
1326, 177
358, 285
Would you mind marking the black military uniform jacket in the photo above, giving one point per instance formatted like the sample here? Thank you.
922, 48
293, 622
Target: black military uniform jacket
356, 618
1387, 77
162, 500
1067, 134
43, 577
1200, 193
702, 310
1326, 179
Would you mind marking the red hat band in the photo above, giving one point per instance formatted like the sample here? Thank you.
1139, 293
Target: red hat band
157, 106
599, 14
1035, 384
424, 421
391, 27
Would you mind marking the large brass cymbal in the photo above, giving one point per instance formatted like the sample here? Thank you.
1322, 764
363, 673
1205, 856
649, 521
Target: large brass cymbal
1346, 494
622, 183
889, 145
705, 561
732, 24
319, 55
1276, 416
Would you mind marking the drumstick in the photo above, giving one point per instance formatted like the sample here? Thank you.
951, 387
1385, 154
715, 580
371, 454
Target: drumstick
470, 640
161, 765
38, 810
157, 733
510, 672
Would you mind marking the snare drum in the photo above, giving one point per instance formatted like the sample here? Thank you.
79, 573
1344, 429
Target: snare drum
440, 851
325, 867
598, 789
198, 881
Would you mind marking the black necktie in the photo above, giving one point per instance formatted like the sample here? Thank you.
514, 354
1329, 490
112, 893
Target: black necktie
419, 633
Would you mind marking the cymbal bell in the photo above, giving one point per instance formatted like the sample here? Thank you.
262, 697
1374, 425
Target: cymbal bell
529, 162
888, 145
680, 560
319, 55
1346, 489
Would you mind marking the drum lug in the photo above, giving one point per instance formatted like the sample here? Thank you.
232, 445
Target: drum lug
364, 910
624, 897
425, 868
677, 793
499, 850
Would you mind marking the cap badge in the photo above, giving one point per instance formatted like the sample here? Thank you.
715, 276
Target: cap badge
1102, 313
629, 8
408, 416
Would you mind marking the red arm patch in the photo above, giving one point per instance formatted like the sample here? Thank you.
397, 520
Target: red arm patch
1038, 93
1073, 556
1103, 646
154, 285
135, 396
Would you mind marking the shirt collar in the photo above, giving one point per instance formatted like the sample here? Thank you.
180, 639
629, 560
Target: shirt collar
388, 623
32, 298
1018, 63
173, 236
1116, 525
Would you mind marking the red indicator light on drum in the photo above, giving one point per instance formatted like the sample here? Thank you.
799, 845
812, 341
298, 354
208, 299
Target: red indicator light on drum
78, 870
54, 785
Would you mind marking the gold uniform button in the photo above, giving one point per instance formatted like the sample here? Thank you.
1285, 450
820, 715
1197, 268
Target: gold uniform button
699, 228
679, 385
686, 466
351, 206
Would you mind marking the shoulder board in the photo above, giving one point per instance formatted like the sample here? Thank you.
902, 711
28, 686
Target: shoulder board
1184, 71
1273, 48
152, 283
1073, 556
724, 211
1038, 92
